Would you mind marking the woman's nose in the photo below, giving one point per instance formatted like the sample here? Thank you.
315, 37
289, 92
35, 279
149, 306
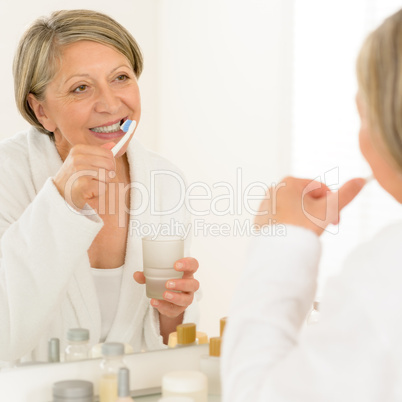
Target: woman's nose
107, 100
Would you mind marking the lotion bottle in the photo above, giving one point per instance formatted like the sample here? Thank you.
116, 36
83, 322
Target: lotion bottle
78, 344
200, 338
188, 383
53, 351
124, 385
210, 366
73, 391
112, 362
186, 335
222, 324
314, 315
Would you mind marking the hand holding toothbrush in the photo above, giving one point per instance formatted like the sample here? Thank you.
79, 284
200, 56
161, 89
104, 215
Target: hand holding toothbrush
306, 203
88, 168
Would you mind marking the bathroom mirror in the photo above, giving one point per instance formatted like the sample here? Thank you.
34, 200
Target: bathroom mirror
216, 91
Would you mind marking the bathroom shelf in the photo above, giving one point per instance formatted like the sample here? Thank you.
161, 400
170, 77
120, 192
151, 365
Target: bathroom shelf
34, 383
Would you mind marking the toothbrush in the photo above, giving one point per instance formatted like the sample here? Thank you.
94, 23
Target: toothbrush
128, 127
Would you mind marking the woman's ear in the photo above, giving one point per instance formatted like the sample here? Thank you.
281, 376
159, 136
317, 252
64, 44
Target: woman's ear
40, 113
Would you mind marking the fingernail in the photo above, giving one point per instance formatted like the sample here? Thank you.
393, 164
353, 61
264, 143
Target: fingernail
155, 302
170, 285
168, 295
179, 265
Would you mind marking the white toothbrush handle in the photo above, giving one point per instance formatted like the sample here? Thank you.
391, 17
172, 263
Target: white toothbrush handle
125, 138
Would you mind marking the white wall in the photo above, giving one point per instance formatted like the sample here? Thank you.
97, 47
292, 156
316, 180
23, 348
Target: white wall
216, 94
224, 103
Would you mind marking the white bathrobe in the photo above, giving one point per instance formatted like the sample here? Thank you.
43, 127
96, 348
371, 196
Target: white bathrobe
46, 285
353, 354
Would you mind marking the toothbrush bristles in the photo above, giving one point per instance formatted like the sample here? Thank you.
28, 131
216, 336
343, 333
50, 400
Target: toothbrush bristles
128, 126
125, 126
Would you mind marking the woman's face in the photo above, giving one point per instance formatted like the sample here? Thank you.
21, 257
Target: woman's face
93, 91
377, 156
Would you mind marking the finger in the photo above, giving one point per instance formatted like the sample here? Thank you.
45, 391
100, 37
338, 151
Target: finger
88, 161
183, 285
90, 151
139, 277
315, 189
186, 265
108, 145
179, 298
167, 309
349, 191
85, 149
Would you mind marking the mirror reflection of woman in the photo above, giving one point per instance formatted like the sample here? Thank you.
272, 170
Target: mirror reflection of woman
68, 256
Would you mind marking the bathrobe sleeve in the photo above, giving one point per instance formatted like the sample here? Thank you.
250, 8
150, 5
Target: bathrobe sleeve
42, 241
352, 354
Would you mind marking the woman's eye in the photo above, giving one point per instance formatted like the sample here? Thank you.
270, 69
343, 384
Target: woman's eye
80, 88
121, 77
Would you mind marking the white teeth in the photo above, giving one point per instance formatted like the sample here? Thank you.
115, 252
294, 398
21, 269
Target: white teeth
107, 129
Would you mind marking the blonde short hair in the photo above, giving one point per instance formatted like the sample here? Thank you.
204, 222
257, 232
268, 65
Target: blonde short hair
40, 47
379, 75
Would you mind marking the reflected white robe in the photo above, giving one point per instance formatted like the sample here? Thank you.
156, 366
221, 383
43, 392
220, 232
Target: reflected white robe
46, 285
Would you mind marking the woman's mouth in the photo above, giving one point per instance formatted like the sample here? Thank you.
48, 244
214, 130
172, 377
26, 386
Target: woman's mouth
108, 129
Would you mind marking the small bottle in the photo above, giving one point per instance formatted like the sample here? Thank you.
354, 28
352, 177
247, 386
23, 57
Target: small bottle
73, 391
200, 338
78, 344
314, 315
112, 362
210, 366
188, 383
96, 350
222, 323
186, 335
124, 385
53, 350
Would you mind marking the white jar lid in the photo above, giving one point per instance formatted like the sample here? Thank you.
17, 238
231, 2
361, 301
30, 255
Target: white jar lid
184, 381
176, 399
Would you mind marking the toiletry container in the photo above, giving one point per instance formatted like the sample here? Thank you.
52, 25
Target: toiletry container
96, 350
53, 351
314, 315
222, 324
73, 391
124, 385
188, 383
210, 366
176, 399
186, 335
78, 344
112, 362
200, 338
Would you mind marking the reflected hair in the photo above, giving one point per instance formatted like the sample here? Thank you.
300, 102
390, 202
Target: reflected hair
379, 75
39, 51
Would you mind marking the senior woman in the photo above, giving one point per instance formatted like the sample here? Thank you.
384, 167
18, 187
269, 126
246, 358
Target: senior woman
354, 353
68, 255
